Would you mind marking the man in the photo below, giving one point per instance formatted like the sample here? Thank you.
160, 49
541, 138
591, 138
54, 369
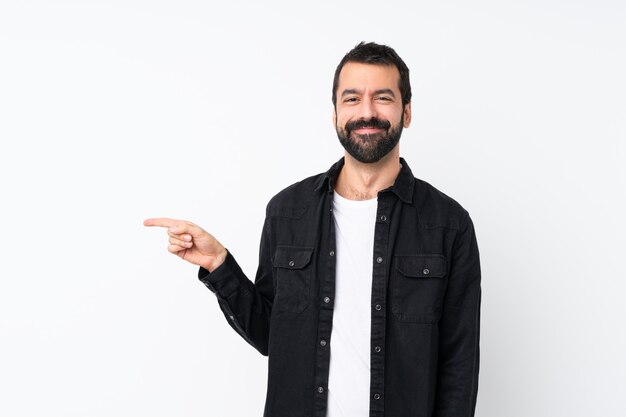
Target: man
367, 295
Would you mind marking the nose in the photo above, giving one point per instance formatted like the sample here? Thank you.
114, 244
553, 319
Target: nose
368, 110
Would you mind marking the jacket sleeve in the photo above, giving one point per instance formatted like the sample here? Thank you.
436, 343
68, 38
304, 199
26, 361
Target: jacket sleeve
459, 331
247, 306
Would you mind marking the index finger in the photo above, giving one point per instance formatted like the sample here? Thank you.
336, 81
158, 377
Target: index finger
160, 221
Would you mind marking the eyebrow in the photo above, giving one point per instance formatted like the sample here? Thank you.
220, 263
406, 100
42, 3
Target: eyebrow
357, 91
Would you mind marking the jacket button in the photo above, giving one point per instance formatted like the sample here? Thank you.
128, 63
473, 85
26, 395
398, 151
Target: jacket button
377, 396
378, 307
327, 300
323, 342
291, 263
426, 271
377, 349
383, 218
332, 253
320, 389
379, 260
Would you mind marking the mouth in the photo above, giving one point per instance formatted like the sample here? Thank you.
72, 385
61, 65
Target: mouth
367, 130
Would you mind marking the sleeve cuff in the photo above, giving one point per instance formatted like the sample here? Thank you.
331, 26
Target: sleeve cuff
224, 279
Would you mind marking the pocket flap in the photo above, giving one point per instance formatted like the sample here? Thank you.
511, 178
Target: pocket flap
421, 266
292, 257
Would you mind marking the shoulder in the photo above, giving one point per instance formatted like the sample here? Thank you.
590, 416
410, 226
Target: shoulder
293, 201
436, 208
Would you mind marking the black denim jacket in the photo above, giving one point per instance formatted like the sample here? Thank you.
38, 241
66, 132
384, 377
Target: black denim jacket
425, 300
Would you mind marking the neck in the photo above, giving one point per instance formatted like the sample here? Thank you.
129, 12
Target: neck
361, 181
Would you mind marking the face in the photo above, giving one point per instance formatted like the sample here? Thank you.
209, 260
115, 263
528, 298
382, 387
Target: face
369, 117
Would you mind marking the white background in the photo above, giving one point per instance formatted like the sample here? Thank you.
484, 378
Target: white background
115, 111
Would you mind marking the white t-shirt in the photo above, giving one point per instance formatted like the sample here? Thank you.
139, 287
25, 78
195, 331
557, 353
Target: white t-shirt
350, 340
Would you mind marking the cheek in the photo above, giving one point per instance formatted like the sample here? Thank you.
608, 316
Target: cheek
394, 116
344, 115
341, 121
395, 120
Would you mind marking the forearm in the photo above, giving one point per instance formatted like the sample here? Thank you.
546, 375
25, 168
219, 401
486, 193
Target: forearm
243, 303
459, 358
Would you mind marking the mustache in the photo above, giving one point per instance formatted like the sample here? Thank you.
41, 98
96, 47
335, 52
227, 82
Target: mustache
372, 122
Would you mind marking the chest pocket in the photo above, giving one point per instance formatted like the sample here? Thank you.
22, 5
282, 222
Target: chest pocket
293, 278
417, 287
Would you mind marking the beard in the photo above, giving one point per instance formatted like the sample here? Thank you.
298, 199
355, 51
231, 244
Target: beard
371, 147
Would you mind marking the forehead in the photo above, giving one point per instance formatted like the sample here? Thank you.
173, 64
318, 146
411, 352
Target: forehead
368, 76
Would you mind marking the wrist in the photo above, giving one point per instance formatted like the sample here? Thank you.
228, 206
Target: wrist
215, 261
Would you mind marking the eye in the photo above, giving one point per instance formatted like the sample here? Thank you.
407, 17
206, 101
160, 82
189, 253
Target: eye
350, 100
383, 98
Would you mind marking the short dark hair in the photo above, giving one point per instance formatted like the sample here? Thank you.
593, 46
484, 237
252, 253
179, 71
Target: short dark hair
373, 53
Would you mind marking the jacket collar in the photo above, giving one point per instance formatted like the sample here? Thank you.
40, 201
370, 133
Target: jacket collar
402, 187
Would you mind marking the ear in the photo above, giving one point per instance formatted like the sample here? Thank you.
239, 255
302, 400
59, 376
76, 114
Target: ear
407, 115
334, 117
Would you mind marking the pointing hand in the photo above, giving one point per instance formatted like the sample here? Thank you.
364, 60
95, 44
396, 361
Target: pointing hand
191, 243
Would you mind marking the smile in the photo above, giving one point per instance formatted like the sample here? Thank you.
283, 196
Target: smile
367, 130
